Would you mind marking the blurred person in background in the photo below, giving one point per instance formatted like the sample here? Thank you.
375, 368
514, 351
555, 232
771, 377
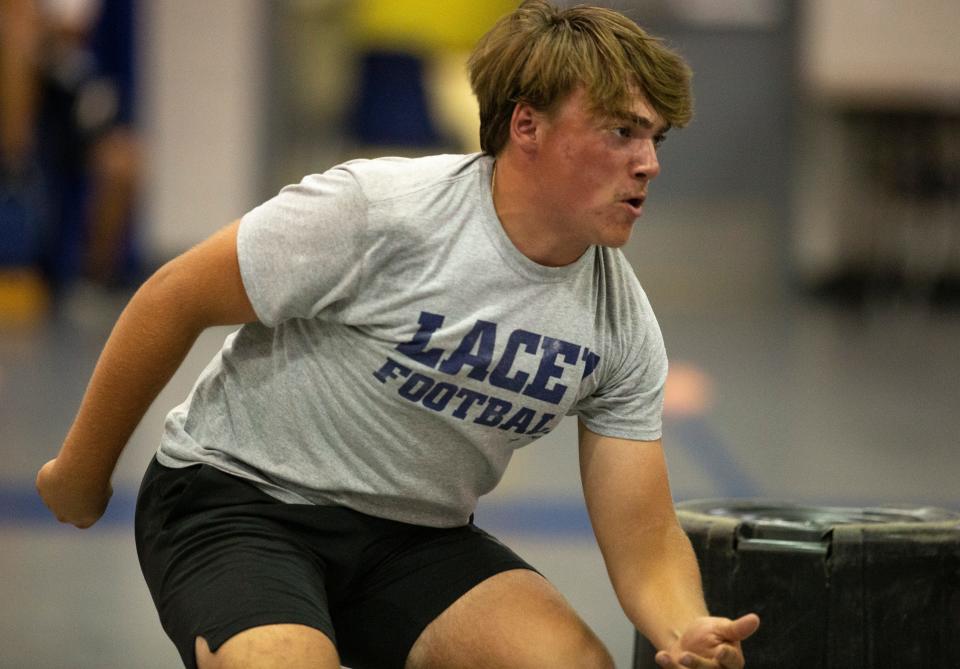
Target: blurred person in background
19, 49
406, 325
413, 53
22, 292
66, 131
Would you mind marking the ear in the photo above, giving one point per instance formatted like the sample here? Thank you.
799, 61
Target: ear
526, 127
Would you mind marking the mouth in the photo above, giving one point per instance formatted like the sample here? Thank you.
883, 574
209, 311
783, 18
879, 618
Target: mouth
634, 204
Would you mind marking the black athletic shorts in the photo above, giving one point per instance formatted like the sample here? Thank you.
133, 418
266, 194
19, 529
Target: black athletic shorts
221, 556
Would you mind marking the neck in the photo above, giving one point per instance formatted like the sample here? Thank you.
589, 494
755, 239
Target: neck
528, 222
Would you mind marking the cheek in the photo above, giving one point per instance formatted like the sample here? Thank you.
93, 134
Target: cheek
588, 174
599, 163
595, 177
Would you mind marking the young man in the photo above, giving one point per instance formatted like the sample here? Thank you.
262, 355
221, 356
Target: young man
407, 325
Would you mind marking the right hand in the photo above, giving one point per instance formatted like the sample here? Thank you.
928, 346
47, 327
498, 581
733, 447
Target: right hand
710, 643
70, 498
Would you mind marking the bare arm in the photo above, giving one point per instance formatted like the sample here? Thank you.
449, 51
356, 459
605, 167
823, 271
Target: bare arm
651, 564
196, 290
650, 560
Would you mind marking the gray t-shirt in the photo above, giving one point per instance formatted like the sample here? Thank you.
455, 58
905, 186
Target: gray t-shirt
406, 347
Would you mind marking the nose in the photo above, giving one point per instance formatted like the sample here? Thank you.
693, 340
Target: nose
645, 165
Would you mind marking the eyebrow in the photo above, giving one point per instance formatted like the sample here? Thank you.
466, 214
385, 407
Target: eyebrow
641, 121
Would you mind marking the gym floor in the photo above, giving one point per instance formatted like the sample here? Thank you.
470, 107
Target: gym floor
773, 397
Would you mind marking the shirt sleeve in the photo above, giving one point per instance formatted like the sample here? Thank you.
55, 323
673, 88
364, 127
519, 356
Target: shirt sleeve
628, 401
301, 251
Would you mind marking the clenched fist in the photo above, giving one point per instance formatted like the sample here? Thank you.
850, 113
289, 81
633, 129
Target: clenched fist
72, 498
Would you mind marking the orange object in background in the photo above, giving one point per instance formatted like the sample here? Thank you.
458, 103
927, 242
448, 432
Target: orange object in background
688, 391
23, 297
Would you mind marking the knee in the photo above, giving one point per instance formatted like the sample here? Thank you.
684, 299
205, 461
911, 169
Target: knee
600, 657
575, 648
568, 646
572, 646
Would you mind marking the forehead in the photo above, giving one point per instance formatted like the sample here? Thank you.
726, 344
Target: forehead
635, 109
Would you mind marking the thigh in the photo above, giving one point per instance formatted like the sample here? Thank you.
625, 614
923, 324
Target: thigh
515, 620
217, 565
271, 647
408, 577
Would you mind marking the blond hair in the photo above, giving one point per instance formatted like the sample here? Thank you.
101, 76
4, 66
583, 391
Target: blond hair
539, 54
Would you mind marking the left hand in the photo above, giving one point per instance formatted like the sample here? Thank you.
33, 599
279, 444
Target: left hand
710, 643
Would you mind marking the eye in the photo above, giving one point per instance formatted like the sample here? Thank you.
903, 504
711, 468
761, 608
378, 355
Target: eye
658, 140
623, 132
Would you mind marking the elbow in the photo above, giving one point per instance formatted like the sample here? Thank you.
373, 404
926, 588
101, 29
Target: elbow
166, 295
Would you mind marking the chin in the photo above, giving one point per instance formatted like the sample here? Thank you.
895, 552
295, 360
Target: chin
617, 243
616, 236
